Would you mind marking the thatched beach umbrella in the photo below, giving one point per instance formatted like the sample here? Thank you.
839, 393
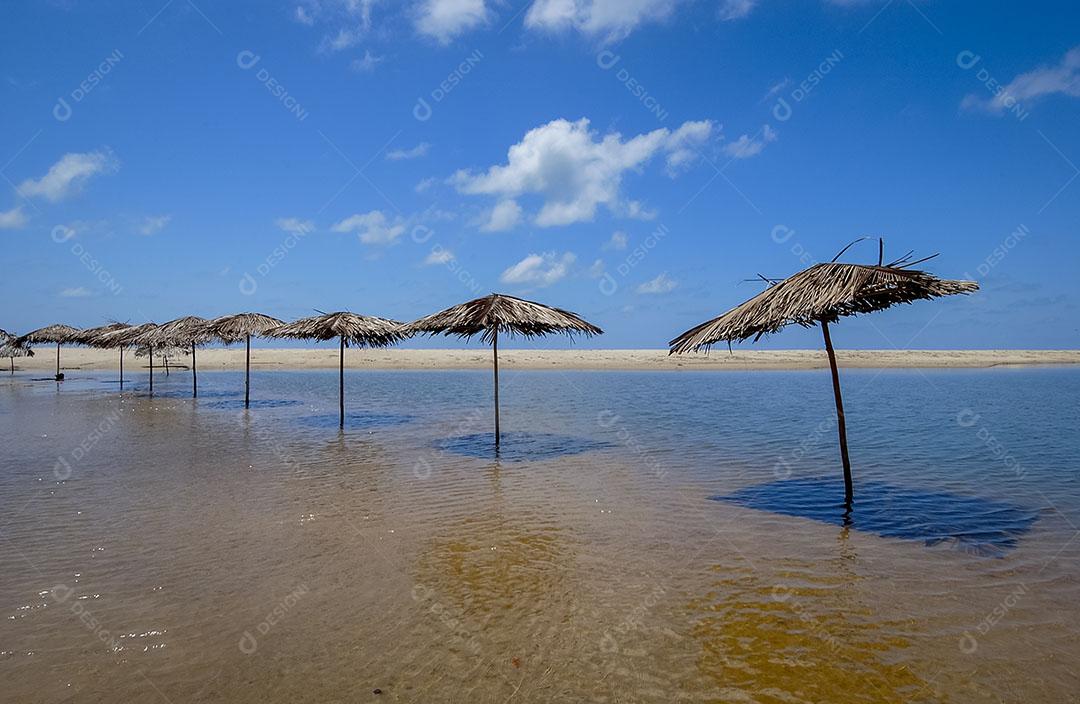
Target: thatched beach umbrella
93, 337
234, 328
513, 316
52, 333
350, 329
11, 350
186, 332
822, 294
132, 336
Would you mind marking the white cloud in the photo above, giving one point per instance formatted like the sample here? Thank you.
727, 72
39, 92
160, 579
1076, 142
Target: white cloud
735, 9
78, 292
295, 226
12, 219
446, 19
366, 63
611, 19
373, 227
152, 224
303, 17
424, 184
683, 144
661, 284
540, 269
439, 255
1063, 78
617, 242
575, 170
776, 88
415, 153
597, 269
504, 216
69, 174
747, 146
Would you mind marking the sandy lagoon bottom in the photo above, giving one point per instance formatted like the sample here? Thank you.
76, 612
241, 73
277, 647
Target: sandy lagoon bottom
643, 537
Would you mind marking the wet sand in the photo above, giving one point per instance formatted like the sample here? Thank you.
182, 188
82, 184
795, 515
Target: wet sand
625, 360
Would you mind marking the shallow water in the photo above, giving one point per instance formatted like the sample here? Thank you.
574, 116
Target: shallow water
641, 537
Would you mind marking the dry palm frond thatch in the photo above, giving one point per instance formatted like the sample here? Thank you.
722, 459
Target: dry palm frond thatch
823, 294
94, 337
50, 333
234, 328
11, 350
490, 315
354, 329
240, 327
181, 336
350, 329
496, 313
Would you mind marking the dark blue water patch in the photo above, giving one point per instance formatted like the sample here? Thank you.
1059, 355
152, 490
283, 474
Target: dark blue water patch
360, 419
186, 393
520, 446
972, 524
237, 404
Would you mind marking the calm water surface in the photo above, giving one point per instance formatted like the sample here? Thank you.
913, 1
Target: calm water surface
642, 537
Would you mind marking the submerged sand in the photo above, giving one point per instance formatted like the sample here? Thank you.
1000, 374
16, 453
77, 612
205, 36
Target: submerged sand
480, 357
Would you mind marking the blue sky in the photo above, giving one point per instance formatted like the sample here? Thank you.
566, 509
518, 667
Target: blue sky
633, 160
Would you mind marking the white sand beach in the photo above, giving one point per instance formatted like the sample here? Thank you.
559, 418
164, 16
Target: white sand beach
73, 358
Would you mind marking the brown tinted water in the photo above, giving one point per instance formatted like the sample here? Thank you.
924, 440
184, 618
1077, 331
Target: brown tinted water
174, 550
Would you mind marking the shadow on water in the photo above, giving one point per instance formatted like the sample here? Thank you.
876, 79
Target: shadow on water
520, 446
979, 526
356, 420
238, 404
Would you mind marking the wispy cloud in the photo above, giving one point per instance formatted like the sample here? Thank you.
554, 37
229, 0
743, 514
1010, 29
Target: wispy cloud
12, 219
76, 292
747, 146
539, 269
1061, 78
439, 255
617, 242
404, 154
153, 224
444, 20
504, 216
366, 63
295, 226
610, 20
373, 227
69, 174
735, 9
661, 284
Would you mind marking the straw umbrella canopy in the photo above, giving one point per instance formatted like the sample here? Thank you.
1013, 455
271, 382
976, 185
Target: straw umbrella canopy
822, 294
186, 332
490, 315
92, 337
132, 336
51, 333
351, 329
11, 350
234, 328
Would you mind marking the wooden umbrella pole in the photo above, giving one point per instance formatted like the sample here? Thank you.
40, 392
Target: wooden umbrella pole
151, 370
12, 366
495, 360
247, 375
57, 360
842, 426
194, 374
341, 385
121, 366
